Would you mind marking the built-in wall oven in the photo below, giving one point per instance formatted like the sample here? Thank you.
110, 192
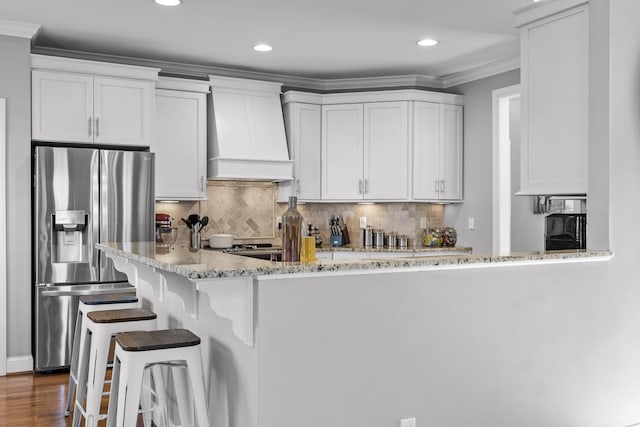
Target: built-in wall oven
565, 223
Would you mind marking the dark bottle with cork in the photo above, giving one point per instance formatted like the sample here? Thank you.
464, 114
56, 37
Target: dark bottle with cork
291, 232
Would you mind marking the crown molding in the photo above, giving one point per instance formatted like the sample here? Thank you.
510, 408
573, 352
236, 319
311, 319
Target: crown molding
202, 72
74, 65
18, 29
543, 9
481, 72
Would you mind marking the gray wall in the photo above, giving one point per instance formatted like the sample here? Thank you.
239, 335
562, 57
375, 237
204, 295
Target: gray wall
478, 161
527, 228
15, 86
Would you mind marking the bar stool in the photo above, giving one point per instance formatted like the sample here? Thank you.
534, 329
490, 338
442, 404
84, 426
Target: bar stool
137, 350
92, 367
87, 304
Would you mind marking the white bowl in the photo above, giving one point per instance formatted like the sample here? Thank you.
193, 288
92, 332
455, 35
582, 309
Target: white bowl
221, 241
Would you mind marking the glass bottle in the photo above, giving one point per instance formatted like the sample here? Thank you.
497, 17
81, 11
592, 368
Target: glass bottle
291, 232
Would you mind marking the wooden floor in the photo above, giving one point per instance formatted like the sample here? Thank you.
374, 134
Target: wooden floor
33, 400
36, 400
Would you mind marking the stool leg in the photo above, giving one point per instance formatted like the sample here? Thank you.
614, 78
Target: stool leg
115, 384
73, 370
181, 383
129, 393
81, 384
194, 363
98, 356
161, 395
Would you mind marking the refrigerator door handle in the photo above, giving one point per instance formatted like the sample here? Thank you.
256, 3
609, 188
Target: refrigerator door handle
85, 292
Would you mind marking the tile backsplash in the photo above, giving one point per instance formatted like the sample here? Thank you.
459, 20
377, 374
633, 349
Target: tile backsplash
249, 211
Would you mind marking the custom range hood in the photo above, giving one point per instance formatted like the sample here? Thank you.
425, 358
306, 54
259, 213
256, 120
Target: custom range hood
246, 131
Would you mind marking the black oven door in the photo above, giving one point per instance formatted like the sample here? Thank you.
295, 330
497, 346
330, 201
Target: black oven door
565, 231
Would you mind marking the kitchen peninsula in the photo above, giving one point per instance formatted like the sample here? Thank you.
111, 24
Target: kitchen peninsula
326, 342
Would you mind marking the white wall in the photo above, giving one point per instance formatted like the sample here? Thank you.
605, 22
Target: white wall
15, 86
478, 175
527, 228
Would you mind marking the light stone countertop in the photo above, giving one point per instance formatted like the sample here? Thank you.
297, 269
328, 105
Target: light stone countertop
417, 249
197, 264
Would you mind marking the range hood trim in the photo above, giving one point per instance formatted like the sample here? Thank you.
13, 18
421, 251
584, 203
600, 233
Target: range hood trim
249, 169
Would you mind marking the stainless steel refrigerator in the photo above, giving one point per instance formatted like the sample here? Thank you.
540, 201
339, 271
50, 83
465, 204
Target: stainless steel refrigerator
82, 196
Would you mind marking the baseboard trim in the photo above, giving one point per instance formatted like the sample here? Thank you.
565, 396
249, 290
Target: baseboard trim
19, 364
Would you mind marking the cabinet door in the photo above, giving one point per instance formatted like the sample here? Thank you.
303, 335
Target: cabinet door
62, 107
555, 104
306, 150
451, 152
342, 150
426, 150
123, 111
180, 145
386, 146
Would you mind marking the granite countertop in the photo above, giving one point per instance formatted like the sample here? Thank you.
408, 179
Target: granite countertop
195, 264
350, 248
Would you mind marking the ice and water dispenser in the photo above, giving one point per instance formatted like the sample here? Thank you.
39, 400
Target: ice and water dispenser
69, 236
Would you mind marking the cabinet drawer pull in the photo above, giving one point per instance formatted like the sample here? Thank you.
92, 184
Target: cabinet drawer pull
360, 186
202, 184
366, 186
89, 120
297, 185
442, 186
97, 126
436, 186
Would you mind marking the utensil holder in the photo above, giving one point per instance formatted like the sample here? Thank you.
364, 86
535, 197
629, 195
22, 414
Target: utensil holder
195, 239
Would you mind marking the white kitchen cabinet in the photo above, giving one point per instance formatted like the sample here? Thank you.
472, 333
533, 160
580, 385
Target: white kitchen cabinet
303, 128
91, 102
342, 152
180, 144
386, 151
554, 84
365, 151
437, 151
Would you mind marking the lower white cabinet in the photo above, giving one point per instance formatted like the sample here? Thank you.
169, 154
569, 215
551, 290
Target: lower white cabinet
180, 145
437, 151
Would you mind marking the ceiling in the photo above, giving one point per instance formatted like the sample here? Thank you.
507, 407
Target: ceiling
328, 39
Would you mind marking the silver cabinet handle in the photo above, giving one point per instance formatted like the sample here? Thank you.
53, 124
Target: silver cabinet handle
366, 186
89, 127
360, 186
436, 187
297, 185
442, 186
97, 126
202, 184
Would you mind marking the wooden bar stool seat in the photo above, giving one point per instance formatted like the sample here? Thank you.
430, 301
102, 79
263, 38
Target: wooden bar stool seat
101, 327
87, 304
137, 350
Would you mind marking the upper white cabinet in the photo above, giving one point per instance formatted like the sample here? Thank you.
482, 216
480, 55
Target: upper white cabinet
365, 151
303, 127
437, 151
554, 82
342, 150
367, 141
180, 143
91, 102
386, 151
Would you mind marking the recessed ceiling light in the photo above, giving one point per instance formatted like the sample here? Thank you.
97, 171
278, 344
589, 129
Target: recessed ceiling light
168, 2
262, 48
427, 42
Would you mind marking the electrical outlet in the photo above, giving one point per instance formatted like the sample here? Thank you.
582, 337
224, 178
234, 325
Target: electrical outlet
471, 223
279, 223
423, 222
408, 422
363, 222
